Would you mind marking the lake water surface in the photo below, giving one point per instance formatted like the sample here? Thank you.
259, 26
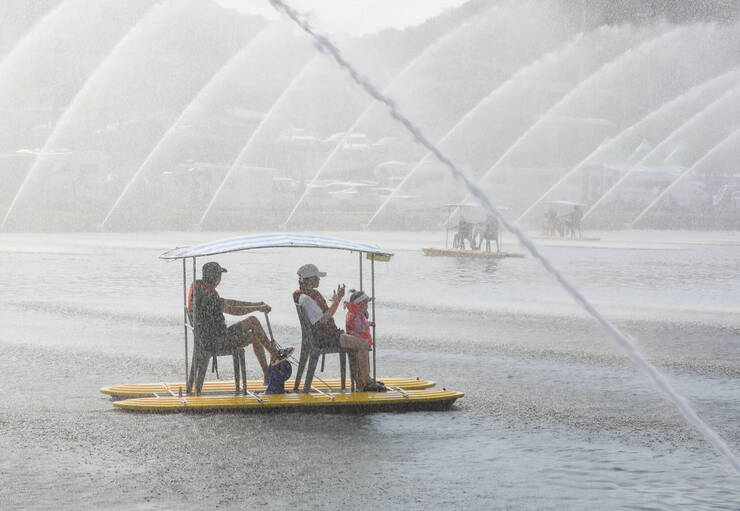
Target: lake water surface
554, 415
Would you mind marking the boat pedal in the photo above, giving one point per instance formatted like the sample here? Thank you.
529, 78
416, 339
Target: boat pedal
167, 388
255, 396
400, 391
323, 393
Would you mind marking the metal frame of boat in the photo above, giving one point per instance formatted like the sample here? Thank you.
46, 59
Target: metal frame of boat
403, 394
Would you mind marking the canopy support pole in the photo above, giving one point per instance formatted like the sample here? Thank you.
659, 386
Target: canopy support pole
447, 227
185, 315
193, 316
372, 290
360, 271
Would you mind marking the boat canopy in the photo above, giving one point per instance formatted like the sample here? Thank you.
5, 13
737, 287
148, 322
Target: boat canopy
271, 240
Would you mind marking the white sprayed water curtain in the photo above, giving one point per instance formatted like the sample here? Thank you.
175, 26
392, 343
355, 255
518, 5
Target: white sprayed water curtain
658, 379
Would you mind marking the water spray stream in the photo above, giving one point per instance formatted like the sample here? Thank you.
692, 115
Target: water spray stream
402, 73
715, 105
686, 172
585, 83
39, 28
199, 97
664, 108
468, 115
79, 97
622, 340
278, 102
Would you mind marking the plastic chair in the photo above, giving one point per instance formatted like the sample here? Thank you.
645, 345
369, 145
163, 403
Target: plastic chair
310, 353
201, 356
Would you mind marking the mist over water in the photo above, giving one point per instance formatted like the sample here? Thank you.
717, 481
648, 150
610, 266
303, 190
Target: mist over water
185, 118
232, 114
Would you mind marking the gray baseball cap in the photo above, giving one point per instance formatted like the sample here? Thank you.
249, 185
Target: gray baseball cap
310, 270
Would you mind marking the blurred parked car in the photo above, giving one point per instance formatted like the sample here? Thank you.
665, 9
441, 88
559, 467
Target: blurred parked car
352, 141
298, 137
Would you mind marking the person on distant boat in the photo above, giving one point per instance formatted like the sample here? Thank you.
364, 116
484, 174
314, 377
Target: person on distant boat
325, 331
464, 232
489, 232
356, 322
574, 222
551, 218
208, 308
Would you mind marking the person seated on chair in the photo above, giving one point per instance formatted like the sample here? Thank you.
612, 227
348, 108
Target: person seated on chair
320, 315
576, 216
464, 232
356, 322
490, 232
210, 324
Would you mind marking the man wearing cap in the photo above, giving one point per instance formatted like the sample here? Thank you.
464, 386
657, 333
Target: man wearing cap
208, 309
320, 315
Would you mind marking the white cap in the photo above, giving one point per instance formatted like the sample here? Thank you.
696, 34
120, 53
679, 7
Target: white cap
361, 297
310, 270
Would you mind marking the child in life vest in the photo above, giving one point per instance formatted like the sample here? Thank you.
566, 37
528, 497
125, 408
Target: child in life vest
357, 323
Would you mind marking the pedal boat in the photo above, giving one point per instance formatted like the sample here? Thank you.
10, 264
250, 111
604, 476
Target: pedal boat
403, 394
461, 252
456, 250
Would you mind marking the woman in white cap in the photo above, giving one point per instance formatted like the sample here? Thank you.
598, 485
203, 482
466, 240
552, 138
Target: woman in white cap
320, 315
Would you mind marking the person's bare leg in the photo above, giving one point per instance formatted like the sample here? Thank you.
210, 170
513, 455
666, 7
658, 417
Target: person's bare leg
259, 353
359, 350
260, 342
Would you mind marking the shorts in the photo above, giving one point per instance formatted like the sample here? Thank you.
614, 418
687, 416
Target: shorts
235, 337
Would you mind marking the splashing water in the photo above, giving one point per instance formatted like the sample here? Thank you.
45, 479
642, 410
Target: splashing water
718, 105
705, 89
716, 148
626, 343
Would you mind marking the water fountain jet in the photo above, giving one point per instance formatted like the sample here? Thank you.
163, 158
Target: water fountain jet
713, 107
660, 381
732, 137
701, 91
278, 102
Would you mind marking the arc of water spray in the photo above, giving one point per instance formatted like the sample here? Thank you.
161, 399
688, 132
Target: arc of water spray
38, 27
523, 71
698, 89
685, 173
622, 340
675, 133
204, 91
86, 87
619, 59
408, 67
278, 102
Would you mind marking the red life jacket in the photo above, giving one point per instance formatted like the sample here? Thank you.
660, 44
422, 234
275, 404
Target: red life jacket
354, 311
321, 329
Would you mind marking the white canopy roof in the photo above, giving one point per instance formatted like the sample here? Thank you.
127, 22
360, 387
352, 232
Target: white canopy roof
270, 240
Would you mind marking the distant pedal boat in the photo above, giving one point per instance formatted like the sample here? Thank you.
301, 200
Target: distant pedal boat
461, 252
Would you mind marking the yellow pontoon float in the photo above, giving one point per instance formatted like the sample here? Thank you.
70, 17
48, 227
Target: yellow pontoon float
486, 230
330, 394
